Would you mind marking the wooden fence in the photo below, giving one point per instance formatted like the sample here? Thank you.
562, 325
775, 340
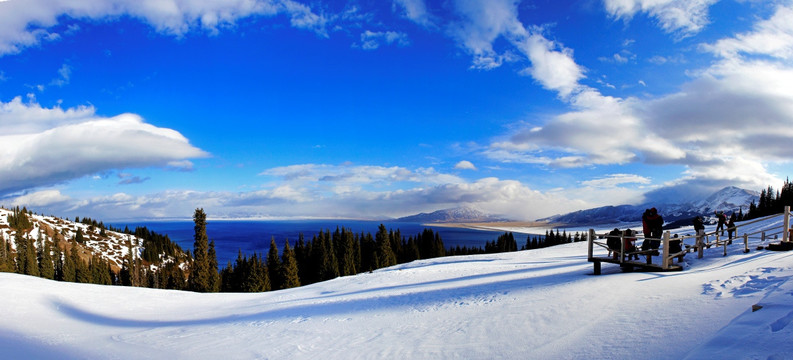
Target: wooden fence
697, 242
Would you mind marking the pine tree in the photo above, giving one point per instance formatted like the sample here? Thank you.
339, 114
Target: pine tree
81, 273
385, 255
200, 271
214, 277
289, 270
5, 261
345, 254
274, 266
79, 238
46, 265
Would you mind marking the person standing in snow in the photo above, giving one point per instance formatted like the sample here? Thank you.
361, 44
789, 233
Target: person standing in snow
699, 228
655, 225
630, 242
731, 225
722, 220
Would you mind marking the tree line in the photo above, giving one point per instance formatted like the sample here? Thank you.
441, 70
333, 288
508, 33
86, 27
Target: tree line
771, 201
325, 256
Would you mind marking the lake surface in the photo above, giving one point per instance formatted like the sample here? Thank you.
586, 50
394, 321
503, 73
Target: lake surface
250, 236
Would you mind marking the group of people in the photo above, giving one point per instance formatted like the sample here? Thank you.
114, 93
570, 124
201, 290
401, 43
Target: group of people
723, 220
652, 224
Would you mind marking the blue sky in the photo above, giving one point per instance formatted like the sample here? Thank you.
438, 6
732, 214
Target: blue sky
366, 109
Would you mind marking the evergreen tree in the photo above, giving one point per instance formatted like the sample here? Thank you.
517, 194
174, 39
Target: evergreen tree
200, 271
214, 277
274, 266
5, 259
368, 246
289, 268
46, 264
79, 238
305, 266
345, 254
81, 273
385, 255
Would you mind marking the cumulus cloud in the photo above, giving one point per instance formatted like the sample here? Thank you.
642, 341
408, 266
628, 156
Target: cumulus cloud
681, 17
465, 165
724, 126
44, 146
25, 23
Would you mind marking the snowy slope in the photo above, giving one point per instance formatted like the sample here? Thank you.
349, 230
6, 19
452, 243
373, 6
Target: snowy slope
539, 304
113, 247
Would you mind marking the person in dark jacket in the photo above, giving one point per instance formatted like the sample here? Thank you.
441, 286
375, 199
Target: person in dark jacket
655, 224
699, 228
722, 220
731, 225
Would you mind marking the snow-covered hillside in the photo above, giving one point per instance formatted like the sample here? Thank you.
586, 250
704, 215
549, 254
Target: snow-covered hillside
538, 304
112, 246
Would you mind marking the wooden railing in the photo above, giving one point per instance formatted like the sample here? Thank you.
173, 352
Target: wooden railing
701, 241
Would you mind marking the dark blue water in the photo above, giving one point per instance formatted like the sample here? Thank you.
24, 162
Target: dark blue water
249, 236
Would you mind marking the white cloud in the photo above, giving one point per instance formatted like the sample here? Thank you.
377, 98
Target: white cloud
482, 22
465, 165
330, 176
772, 37
681, 17
284, 200
371, 40
25, 23
615, 180
724, 127
64, 76
416, 11
44, 146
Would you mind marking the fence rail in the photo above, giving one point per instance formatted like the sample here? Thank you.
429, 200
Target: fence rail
702, 240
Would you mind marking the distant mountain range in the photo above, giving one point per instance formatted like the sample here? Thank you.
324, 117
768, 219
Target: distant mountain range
728, 200
456, 215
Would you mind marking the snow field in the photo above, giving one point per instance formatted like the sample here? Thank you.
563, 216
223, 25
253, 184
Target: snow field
537, 304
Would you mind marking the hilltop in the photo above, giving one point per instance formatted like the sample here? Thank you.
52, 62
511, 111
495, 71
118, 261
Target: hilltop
92, 238
536, 304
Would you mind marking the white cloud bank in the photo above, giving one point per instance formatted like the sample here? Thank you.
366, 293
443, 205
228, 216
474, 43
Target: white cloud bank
44, 146
25, 23
319, 191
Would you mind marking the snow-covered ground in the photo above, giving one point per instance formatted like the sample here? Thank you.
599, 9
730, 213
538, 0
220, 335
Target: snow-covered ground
539, 304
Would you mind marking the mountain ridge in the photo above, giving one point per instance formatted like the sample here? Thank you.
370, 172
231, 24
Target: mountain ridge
452, 215
729, 199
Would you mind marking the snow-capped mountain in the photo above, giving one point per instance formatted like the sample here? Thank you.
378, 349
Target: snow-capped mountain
729, 199
460, 214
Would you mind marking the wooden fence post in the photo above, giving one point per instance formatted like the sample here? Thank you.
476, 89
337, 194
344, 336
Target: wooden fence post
785, 231
700, 243
745, 243
590, 243
665, 254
